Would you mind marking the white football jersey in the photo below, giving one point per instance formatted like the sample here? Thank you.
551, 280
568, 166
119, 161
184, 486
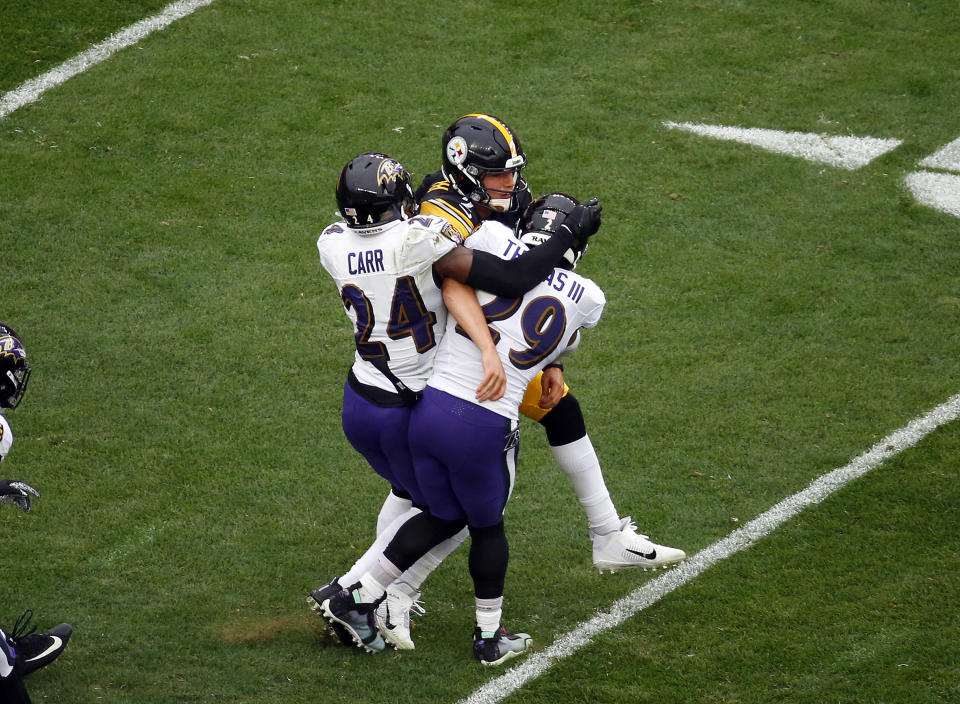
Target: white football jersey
530, 332
386, 282
6, 438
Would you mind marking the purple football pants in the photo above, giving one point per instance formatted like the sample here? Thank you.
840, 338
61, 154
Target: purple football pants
465, 458
380, 434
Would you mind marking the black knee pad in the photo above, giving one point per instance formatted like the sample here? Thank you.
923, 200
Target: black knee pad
565, 423
418, 535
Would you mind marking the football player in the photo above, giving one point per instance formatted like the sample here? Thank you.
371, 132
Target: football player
388, 264
481, 179
467, 472
22, 650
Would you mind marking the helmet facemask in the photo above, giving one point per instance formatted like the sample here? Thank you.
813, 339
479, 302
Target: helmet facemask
502, 200
15, 385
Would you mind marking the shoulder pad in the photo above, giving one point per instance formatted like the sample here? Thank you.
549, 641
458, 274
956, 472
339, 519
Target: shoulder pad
457, 211
437, 223
333, 229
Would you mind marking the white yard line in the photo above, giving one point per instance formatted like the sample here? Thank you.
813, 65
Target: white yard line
845, 152
936, 190
32, 90
947, 158
539, 663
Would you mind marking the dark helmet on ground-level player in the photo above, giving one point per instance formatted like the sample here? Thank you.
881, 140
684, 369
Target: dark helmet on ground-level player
547, 215
373, 190
476, 145
14, 368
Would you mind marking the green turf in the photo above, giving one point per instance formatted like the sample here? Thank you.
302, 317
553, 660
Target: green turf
768, 319
38, 36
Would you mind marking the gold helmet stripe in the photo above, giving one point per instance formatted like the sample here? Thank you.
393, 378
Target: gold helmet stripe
504, 130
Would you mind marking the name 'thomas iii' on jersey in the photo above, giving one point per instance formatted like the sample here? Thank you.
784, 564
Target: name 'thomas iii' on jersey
529, 332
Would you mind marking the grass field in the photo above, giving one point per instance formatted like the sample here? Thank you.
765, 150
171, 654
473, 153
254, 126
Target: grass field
768, 320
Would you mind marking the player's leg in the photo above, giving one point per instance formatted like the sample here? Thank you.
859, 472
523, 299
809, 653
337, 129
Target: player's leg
379, 434
412, 540
489, 555
354, 607
12, 688
482, 461
395, 505
483, 479
616, 543
574, 453
403, 595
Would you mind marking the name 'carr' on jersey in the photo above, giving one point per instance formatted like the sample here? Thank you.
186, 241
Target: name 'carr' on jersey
368, 261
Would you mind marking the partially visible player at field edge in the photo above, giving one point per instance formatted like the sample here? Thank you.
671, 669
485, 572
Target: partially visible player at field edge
22, 651
466, 473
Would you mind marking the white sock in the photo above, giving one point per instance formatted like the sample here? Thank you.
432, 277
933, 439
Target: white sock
579, 462
368, 560
392, 507
372, 587
489, 613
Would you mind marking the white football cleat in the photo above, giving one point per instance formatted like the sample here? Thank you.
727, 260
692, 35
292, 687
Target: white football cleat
626, 549
393, 618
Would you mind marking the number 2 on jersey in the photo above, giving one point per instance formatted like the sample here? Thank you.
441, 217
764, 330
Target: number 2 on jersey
408, 316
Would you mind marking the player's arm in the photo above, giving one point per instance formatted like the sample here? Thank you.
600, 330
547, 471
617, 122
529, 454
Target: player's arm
517, 276
462, 303
509, 278
514, 277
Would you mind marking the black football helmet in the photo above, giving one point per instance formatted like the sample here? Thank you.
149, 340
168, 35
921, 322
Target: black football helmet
476, 145
543, 217
14, 368
373, 190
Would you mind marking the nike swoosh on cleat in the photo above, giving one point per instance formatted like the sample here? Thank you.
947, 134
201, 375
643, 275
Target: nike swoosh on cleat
53, 646
390, 625
646, 556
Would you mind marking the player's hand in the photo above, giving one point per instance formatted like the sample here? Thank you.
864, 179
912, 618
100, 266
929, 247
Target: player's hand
583, 221
551, 387
17, 493
494, 382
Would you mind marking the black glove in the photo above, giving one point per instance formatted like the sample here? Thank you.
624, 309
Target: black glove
17, 493
583, 222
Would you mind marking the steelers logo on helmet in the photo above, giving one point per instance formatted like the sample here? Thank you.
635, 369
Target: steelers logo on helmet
478, 146
457, 150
